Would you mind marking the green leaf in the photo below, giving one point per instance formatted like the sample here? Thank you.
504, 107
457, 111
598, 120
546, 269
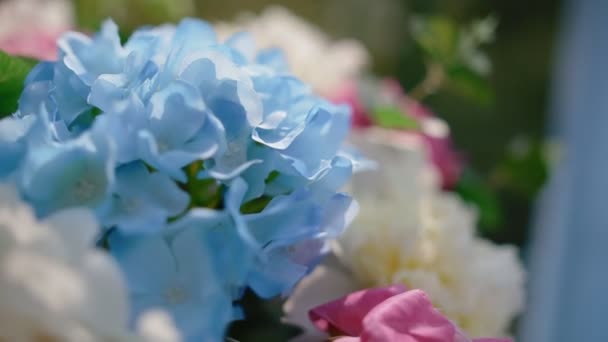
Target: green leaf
204, 193
467, 82
524, 169
272, 176
437, 36
392, 117
455, 53
13, 71
472, 189
255, 205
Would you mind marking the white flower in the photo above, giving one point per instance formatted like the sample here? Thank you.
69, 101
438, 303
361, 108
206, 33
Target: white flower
54, 286
47, 15
411, 232
326, 65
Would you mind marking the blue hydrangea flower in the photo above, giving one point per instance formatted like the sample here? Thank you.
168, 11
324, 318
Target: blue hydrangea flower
12, 143
218, 168
178, 271
194, 269
142, 201
57, 175
294, 231
178, 130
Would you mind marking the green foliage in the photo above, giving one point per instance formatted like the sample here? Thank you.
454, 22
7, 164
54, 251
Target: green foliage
437, 36
13, 71
515, 181
474, 190
130, 14
472, 85
524, 169
204, 193
393, 117
86, 118
454, 56
255, 205
271, 177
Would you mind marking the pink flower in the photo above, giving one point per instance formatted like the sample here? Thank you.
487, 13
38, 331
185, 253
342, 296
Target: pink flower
433, 131
35, 43
387, 314
349, 94
443, 156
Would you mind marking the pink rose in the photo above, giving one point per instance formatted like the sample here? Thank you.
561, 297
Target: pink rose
385, 315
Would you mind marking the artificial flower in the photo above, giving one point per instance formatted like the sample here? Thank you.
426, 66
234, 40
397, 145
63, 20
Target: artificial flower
54, 285
325, 64
411, 232
387, 314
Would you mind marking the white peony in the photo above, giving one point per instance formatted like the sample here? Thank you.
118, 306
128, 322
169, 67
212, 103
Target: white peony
55, 286
326, 65
410, 232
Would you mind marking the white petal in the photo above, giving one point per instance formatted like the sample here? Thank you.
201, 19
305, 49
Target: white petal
327, 282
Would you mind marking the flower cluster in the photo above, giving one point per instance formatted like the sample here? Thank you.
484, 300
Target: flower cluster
209, 166
325, 64
411, 232
55, 287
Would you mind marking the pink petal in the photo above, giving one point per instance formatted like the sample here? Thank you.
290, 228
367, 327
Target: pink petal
407, 317
441, 152
443, 155
349, 95
32, 43
344, 316
347, 339
447, 161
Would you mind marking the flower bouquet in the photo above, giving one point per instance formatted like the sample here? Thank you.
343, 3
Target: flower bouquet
147, 183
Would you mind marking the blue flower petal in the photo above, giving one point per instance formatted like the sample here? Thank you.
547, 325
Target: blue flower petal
88, 58
12, 145
78, 173
146, 261
143, 201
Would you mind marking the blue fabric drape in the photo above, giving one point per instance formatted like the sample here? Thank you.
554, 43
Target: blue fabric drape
568, 289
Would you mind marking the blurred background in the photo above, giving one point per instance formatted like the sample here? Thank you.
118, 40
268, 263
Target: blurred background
498, 121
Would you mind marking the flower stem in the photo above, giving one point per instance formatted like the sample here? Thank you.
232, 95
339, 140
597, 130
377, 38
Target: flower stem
433, 81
